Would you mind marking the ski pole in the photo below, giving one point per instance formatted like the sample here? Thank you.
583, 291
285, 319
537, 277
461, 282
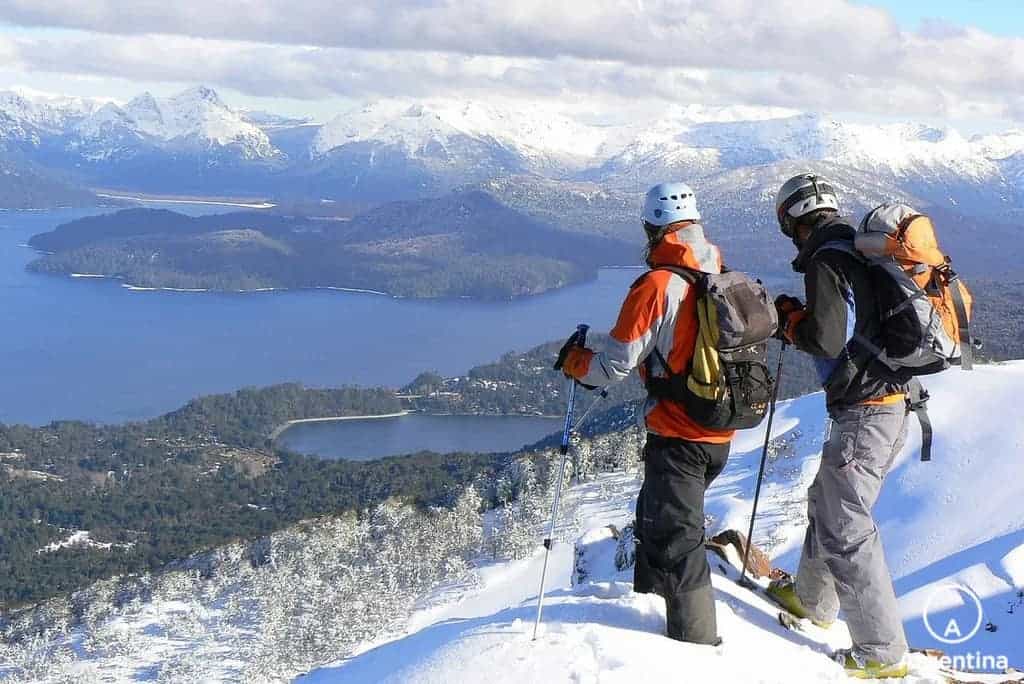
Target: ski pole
743, 581
564, 449
603, 394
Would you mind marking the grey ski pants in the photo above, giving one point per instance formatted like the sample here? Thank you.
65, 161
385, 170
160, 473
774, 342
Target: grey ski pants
842, 564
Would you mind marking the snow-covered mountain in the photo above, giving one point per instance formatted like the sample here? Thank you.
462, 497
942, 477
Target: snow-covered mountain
938, 164
30, 114
407, 149
542, 138
708, 139
473, 140
195, 118
534, 131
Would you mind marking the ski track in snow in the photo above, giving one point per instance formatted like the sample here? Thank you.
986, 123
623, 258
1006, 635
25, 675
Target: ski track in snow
958, 519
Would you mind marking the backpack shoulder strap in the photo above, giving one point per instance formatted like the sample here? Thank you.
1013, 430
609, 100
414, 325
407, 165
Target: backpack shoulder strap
960, 309
691, 276
688, 274
845, 246
661, 359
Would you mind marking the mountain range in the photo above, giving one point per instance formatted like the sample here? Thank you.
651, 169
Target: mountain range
407, 149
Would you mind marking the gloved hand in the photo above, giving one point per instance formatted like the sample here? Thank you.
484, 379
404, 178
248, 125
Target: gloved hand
573, 341
577, 364
790, 311
574, 359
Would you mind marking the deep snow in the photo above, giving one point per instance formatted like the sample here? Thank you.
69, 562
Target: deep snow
957, 519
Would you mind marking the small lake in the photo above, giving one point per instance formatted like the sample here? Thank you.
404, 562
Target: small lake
365, 439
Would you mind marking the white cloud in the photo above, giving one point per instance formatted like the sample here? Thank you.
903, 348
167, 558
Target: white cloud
830, 55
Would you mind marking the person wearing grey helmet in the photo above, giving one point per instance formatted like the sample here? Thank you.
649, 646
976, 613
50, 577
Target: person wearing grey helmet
842, 564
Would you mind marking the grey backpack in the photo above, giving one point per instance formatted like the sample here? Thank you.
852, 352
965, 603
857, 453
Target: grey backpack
727, 385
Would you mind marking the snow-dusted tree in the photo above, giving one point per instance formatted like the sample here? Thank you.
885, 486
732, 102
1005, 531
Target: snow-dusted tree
512, 536
582, 459
271, 608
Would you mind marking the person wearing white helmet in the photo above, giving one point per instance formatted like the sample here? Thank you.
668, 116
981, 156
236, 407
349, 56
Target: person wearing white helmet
681, 458
843, 564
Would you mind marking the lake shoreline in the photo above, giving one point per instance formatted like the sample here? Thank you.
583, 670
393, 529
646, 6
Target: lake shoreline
279, 430
158, 199
312, 288
354, 439
255, 290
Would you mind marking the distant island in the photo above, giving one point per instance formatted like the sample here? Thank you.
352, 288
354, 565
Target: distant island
466, 244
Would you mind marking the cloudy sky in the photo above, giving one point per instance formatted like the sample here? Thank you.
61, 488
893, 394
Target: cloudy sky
960, 61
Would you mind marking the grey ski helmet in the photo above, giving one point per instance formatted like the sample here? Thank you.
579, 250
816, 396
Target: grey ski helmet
801, 195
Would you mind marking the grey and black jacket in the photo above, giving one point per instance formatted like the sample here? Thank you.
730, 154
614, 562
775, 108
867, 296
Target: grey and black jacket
840, 305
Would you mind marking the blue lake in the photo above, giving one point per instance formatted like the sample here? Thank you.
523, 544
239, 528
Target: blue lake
372, 438
77, 348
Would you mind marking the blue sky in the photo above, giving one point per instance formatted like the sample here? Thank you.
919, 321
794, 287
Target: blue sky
1000, 17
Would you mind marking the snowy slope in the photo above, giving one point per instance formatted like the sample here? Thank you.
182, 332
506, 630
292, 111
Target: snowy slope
959, 518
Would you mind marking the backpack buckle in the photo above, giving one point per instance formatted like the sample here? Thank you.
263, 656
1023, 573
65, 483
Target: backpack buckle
917, 401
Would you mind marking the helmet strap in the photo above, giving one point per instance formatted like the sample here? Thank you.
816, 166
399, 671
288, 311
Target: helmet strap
817, 191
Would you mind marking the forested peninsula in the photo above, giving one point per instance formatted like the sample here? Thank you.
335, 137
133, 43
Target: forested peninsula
466, 244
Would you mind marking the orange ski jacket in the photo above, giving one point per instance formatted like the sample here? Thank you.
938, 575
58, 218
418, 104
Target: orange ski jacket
659, 312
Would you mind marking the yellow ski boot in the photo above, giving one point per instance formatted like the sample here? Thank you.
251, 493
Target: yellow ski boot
860, 668
783, 592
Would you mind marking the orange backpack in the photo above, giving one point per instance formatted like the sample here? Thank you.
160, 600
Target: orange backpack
926, 307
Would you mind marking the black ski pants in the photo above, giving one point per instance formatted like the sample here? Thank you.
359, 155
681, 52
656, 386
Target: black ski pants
670, 558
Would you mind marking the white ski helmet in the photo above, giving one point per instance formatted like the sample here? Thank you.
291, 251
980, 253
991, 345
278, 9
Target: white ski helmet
801, 195
670, 202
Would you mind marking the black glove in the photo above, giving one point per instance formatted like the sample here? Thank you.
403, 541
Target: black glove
573, 341
785, 306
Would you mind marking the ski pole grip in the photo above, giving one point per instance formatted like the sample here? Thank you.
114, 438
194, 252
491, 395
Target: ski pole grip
581, 330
